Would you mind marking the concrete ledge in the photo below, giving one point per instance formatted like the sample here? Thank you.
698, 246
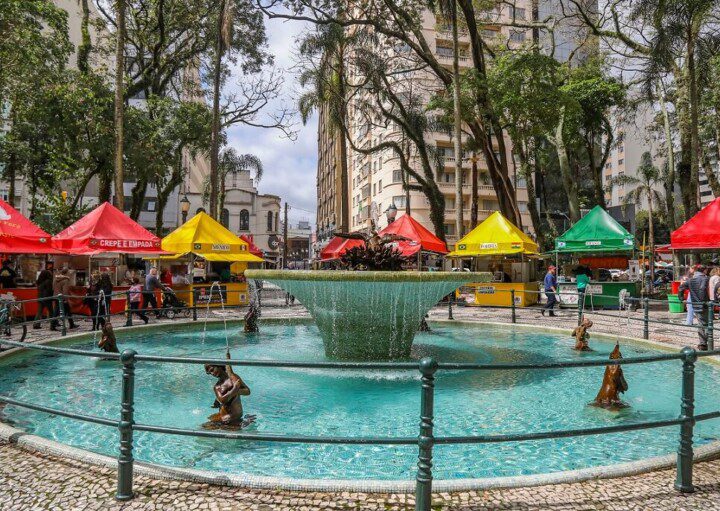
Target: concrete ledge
38, 444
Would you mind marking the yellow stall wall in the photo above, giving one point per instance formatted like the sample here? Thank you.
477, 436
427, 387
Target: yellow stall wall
235, 293
498, 293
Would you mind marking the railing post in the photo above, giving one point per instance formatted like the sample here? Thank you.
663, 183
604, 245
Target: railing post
512, 304
710, 326
423, 480
683, 481
125, 460
128, 322
61, 313
450, 314
646, 318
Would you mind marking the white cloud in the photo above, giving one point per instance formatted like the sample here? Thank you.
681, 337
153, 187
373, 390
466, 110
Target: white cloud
290, 166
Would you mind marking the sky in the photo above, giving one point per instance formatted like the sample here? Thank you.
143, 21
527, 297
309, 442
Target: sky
290, 167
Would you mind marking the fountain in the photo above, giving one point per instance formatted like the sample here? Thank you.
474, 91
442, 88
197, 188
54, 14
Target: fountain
367, 315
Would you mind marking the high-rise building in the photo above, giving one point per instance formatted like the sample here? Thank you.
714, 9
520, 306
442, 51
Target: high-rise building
330, 196
376, 180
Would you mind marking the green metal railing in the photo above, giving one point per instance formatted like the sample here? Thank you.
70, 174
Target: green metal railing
425, 441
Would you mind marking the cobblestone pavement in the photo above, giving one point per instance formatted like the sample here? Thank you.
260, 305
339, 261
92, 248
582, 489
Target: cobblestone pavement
35, 481
30, 481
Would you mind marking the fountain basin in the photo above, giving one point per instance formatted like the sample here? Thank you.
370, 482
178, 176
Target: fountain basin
371, 315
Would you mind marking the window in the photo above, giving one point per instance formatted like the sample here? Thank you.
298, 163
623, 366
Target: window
244, 220
449, 203
490, 205
621, 161
608, 165
449, 177
374, 189
399, 201
397, 176
225, 217
522, 207
380, 186
445, 51
521, 182
269, 221
449, 229
517, 36
517, 12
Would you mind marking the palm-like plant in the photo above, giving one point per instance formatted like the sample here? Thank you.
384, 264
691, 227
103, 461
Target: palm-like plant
228, 162
645, 185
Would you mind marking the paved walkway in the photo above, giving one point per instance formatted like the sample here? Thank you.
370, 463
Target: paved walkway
35, 481
30, 481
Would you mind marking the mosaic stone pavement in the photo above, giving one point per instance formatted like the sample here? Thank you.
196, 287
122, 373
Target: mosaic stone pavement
33, 481
37, 481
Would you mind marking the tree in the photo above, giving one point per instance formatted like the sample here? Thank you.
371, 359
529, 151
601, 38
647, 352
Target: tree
645, 187
232, 162
119, 103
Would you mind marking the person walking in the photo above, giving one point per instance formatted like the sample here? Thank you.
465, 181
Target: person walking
61, 286
582, 280
713, 283
136, 292
697, 287
690, 317
152, 283
550, 286
45, 291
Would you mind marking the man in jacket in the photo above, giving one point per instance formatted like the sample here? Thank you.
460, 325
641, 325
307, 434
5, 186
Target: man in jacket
61, 286
698, 287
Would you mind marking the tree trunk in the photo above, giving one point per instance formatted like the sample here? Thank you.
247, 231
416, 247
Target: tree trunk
104, 188
526, 173
10, 170
344, 195
138, 198
215, 135
474, 193
457, 135
119, 105
163, 193
651, 235
669, 184
569, 182
694, 124
83, 51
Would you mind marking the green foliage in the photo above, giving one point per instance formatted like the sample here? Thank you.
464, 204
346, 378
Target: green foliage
660, 227
53, 213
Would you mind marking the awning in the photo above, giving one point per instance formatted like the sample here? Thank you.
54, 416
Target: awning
596, 232
495, 236
228, 258
18, 235
337, 247
106, 229
701, 232
420, 238
205, 237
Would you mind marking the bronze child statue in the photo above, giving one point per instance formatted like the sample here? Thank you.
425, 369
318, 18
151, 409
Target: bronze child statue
108, 343
613, 385
581, 335
228, 389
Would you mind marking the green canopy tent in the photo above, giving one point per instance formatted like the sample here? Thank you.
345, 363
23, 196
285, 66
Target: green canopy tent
596, 232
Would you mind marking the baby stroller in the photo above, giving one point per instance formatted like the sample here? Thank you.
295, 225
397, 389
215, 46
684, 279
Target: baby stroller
172, 306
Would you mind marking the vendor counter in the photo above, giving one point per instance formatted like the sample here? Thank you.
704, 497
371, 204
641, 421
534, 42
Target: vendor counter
610, 292
200, 295
499, 294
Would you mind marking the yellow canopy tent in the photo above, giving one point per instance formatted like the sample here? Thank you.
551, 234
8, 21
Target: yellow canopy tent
495, 236
207, 238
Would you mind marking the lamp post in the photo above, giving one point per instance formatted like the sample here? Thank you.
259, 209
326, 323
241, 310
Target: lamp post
391, 213
184, 207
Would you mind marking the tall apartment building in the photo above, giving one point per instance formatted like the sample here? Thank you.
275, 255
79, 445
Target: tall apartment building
330, 218
376, 180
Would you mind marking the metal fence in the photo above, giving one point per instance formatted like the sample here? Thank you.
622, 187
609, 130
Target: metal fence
424, 441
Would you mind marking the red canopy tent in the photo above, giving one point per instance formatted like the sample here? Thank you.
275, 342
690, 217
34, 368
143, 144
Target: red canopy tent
254, 250
337, 247
701, 232
106, 229
18, 235
421, 238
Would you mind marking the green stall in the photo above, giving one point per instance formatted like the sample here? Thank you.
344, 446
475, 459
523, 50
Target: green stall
599, 243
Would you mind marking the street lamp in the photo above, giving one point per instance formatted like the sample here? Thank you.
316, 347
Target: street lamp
184, 207
391, 213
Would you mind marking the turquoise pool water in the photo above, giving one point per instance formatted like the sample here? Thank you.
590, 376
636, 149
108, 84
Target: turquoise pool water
360, 403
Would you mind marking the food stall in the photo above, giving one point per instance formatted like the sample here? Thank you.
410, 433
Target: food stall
598, 242
421, 246
102, 239
498, 246
336, 247
700, 234
29, 246
204, 245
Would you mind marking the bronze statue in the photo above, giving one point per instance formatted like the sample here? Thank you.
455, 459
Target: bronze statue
228, 389
108, 343
376, 254
424, 327
251, 318
613, 384
581, 335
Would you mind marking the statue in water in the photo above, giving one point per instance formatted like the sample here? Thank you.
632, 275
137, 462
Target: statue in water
228, 389
581, 335
613, 385
251, 317
376, 255
108, 343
